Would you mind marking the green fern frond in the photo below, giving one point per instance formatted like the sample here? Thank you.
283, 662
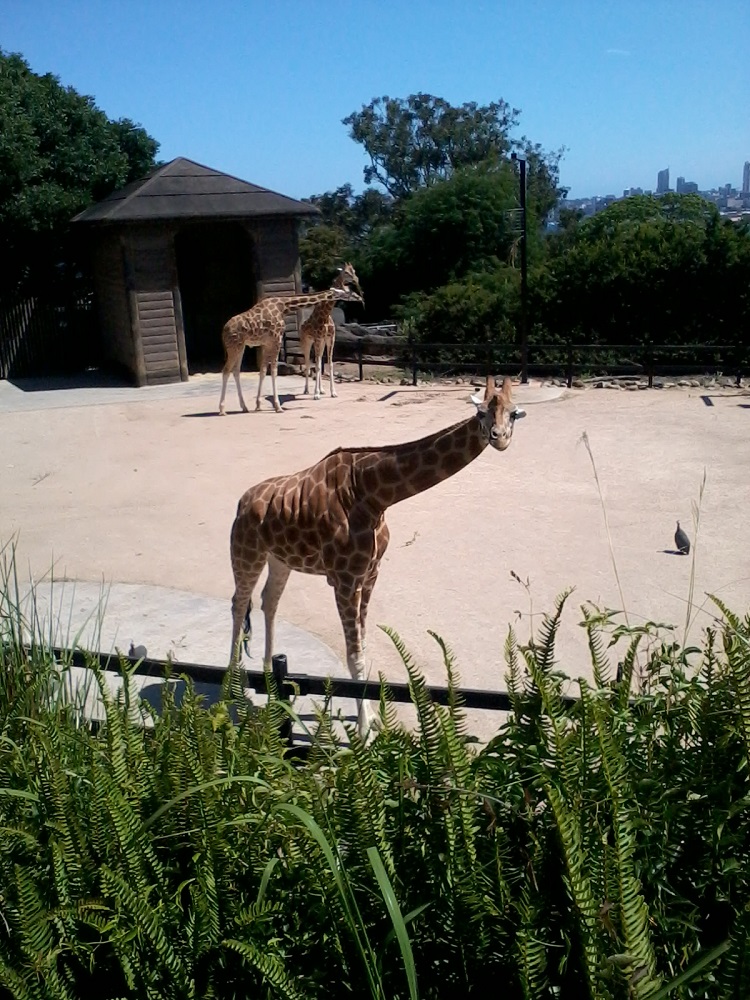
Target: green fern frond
147, 921
545, 647
514, 678
736, 640
455, 701
633, 911
579, 886
37, 938
269, 966
593, 621
626, 671
530, 948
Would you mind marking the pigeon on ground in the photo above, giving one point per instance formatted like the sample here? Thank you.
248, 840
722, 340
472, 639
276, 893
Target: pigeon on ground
681, 540
137, 652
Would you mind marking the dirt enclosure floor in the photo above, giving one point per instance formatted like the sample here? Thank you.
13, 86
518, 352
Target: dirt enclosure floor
141, 486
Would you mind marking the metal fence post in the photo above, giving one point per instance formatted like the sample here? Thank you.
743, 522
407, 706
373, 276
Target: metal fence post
280, 671
361, 363
413, 364
570, 365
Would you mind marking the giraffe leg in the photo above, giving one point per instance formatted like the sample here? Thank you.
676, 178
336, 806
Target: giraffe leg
330, 365
274, 368
245, 578
318, 371
278, 574
306, 345
248, 561
229, 363
236, 372
261, 374
382, 537
348, 602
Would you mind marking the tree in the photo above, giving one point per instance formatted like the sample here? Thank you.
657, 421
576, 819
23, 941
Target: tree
460, 226
58, 153
414, 142
648, 269
346, 223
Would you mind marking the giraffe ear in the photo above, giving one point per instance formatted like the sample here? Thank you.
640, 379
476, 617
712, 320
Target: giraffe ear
477, 401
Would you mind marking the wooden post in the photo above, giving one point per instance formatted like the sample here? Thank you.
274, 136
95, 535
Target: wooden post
280, 671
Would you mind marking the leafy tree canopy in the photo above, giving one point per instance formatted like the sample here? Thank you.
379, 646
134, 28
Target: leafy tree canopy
415, 141
58, 153
658, 268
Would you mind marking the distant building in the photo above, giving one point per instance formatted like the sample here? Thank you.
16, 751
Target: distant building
662, 181
686, 187
746, 178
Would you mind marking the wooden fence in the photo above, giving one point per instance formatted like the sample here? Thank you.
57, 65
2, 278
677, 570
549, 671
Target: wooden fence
47, 334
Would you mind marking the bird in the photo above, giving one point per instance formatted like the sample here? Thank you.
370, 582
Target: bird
137, 652
682, 541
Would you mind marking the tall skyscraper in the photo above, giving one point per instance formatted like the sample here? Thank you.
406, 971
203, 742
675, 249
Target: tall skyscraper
746, 178
680, 185
662, 181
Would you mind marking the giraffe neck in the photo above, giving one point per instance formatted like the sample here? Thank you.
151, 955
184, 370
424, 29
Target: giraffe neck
290, 302
385, 476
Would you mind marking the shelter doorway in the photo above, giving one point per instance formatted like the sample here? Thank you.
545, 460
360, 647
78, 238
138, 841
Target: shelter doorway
217, 276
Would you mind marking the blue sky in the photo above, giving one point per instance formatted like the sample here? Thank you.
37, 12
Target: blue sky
259, 89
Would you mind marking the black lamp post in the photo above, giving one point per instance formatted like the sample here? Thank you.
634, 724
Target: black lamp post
524, 272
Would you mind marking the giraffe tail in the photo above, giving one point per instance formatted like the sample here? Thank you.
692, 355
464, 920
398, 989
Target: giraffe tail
247, 630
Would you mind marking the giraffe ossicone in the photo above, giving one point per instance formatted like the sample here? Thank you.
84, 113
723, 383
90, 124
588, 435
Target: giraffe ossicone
329, 520
262, 326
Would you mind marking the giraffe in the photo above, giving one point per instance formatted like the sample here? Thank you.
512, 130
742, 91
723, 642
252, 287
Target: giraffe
263, 327
330, 520
319, 331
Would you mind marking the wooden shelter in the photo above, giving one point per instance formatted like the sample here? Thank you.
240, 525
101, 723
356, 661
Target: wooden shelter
176, 254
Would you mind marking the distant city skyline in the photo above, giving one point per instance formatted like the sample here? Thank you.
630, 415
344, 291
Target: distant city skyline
683, 184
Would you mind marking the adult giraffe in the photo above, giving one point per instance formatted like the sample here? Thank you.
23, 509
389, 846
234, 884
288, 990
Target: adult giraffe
330, 519
263, 327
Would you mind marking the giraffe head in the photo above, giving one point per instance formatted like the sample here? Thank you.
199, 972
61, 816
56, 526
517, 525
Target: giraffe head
346, 294
497, 413
347, 278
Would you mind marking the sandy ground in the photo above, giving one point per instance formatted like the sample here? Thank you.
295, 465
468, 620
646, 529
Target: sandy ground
141, 486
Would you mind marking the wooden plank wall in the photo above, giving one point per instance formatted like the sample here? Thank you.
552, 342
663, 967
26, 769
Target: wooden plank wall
112, 301
155, 321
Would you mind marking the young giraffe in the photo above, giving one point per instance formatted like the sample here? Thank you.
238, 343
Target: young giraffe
263, 327
319, 331
329, 519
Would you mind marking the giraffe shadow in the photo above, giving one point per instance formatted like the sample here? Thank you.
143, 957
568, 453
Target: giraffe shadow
268, 408
672, 552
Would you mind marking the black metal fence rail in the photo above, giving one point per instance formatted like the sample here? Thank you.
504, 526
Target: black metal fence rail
286, 683
562, 360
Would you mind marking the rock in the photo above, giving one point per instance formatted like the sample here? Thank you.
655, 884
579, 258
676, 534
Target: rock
578, 383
